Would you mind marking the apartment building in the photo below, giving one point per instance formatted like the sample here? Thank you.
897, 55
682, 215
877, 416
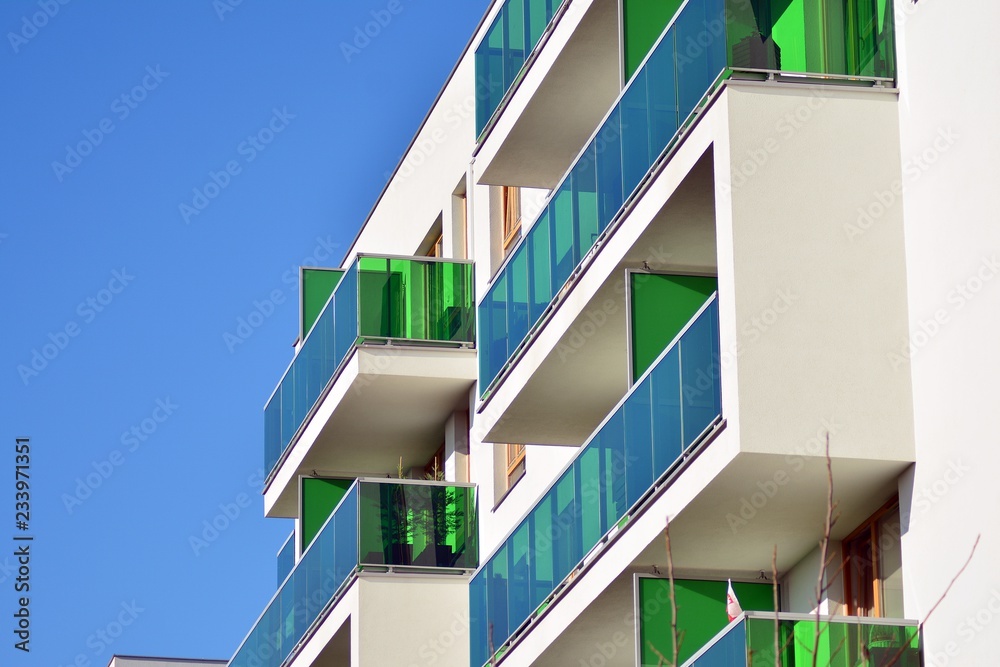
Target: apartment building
722, 265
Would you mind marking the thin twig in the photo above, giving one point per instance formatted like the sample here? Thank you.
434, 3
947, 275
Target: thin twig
821, 586
673, 595
920, 626
777, 621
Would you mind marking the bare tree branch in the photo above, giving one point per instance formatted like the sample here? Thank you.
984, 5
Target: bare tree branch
821, 585
673, 595
920, 628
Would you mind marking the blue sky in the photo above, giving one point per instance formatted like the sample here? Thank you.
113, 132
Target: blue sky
165, 168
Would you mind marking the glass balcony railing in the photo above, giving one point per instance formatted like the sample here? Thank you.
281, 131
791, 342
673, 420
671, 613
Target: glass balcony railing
664, 413
379, 524
501, 55
416, 301
843, 642
705, 43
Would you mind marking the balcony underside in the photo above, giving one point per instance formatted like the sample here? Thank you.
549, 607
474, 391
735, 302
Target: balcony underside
576, 369
558, 103
387, 403
598, 609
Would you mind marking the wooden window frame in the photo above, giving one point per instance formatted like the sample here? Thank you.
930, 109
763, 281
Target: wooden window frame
515, 460
510, 211
870, 527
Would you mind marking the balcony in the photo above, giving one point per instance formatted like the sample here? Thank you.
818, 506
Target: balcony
707, 43
536, 55
385, 526
666, 413
509, 41
749, 641
389, 358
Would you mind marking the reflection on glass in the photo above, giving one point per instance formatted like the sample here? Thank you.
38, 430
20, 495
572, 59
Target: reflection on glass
704, 44
662, 415
378, 299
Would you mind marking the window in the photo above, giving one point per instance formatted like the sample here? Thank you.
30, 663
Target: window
515, 464
873, 565
510, 206
437, 247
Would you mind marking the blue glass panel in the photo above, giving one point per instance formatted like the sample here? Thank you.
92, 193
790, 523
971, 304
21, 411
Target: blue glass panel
478, 620
699, 374
729, 651
662, 84
608, 145
639, 475
635, 132
665, 377
498, 339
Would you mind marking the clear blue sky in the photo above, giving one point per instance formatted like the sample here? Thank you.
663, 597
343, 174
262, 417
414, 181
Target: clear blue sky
127, 303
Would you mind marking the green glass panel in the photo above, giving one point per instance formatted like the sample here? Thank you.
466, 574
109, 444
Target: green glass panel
840, 643
317, 286
661, 305
701, 613
642, 23
319, 498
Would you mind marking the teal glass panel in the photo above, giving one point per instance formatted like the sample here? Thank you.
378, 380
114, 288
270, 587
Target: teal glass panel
517, 294
562, 234
345, 308
497, 341
518, 566
584, 185
500, 57
638, 443
634, 447
635, 132
498, 586
543, 534
539, 279
588, 471
514, 52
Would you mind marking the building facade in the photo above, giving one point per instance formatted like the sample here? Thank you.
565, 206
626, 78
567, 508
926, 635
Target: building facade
661, 291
